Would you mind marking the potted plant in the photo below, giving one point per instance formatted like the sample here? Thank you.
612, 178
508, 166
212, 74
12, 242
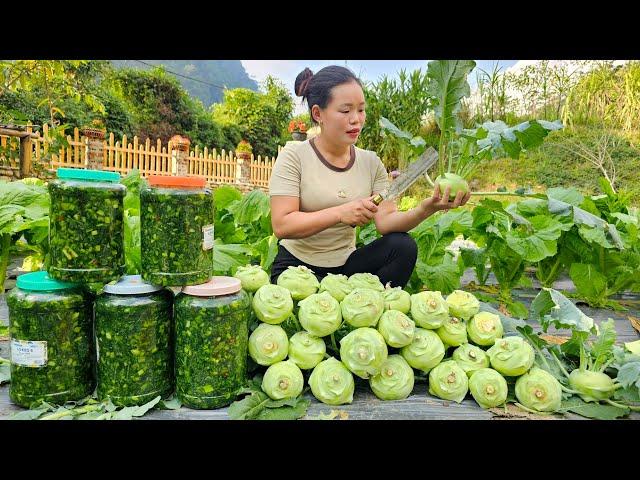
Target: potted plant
298, 130
95, 129
244, 150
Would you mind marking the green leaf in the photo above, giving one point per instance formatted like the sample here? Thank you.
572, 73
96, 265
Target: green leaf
285, 413
387, 125
251, 208
539, 244
476, 258
629, 374
249, 407
589, 282
225, 195
172, 403
227, 257
267, 248
602, 348
567, 195
5, 371
444, 277
592, 410
449, 86
30, 414
551, 307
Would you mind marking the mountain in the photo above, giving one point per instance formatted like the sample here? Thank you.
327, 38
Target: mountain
229, 73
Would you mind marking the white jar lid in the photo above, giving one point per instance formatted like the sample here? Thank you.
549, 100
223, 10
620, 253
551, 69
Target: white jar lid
131, 285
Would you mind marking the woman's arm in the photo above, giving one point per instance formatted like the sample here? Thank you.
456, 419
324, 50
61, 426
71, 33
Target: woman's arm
389, 219
288, 221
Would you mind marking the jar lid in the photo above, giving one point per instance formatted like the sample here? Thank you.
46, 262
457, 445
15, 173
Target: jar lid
214, 287
131, 285
90, 175
166, 181
41, 281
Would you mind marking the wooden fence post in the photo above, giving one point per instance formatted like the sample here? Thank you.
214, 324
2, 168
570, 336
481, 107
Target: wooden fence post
180, 154
95, 148
26, 149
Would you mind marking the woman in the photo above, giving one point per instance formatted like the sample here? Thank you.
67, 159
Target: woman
322, 187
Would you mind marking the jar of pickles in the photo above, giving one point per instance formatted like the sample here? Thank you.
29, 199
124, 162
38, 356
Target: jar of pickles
86, 232
51, 336
211, 342
176, 238
134, 341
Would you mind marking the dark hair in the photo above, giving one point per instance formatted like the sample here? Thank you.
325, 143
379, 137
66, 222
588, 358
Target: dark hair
316, 88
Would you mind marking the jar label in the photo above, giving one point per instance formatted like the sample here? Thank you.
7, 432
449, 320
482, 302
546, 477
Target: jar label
207, 237
28, 353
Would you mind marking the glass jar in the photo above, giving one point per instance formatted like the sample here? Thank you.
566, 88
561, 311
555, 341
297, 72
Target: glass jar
211, 342
134, 342
51, 336
86, 233
176, 238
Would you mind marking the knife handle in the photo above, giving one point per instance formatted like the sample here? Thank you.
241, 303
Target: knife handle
377, 200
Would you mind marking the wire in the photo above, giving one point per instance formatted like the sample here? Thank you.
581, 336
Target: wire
184, 76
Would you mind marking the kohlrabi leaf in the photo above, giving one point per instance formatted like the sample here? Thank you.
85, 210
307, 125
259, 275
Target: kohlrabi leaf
551, 307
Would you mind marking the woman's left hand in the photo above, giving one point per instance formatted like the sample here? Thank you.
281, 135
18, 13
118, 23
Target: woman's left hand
441, 202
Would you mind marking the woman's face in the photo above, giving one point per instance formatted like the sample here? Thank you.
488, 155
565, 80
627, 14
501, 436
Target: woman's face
344, 117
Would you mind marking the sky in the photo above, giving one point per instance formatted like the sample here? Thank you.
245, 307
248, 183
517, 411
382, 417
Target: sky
367, 70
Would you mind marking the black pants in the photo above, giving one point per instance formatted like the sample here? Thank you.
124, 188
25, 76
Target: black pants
391, 257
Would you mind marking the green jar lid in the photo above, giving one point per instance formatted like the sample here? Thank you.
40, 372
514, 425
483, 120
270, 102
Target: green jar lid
41, 281
88, 175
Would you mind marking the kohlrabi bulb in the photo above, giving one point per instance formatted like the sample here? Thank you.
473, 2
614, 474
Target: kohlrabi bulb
396, 328
488, 388
332, 383
268, 344
272, 304
397, 299
484, 328
448, 381
453, 332
429, 310
511, 356
320, 314
592, 386
395, 380
425, 351
362, 307
283, 380
455, 183
337, 285
363, 351
470, 358
300, 281
252, 277
539, 390
463, 304
306, 350
366, 280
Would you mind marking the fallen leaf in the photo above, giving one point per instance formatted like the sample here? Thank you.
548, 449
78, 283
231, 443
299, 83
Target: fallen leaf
635, 323
558, 340
514, 412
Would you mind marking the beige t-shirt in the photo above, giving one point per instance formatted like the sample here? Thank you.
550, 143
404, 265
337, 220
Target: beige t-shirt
301, 171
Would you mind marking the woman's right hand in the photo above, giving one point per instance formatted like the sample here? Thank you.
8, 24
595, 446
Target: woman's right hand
359, 212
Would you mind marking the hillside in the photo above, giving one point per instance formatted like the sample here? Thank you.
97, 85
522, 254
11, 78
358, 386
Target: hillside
229, 73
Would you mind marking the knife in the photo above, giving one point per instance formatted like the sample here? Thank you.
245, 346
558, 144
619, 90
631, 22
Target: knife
408, 177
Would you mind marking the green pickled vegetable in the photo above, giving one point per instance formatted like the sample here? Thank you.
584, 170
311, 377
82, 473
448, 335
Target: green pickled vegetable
174, 226
86, 233
134, 344
60, 324
211, 348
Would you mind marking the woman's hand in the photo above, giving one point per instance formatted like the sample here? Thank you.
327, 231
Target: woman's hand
359, 212
441, 202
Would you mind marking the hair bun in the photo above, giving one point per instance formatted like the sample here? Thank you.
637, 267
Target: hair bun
302, 82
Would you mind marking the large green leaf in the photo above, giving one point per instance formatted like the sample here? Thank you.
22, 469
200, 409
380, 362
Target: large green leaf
444, 277
601, 350
227, 257
449, 86
502, 139
224, 195
629, 375
551, 307
267, 248
567, 195
298, 410
592, 410
536, 245
251, 208
249, 407
590, 283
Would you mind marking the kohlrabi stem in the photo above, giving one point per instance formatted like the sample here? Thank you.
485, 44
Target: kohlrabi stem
622, 405
513, 194
333, 342
553, 272
568, 390
530, 410
559, 364
429, 181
